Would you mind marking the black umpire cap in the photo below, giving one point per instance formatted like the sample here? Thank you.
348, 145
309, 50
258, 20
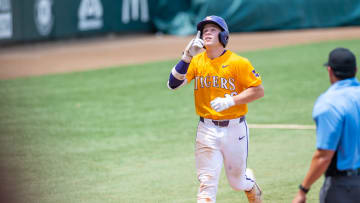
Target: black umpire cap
343, 62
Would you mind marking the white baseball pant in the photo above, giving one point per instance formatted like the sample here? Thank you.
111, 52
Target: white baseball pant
217, 145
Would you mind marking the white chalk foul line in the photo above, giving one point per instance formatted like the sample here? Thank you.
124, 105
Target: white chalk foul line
282, 126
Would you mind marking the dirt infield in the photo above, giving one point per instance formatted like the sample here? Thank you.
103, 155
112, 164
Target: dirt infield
67, 56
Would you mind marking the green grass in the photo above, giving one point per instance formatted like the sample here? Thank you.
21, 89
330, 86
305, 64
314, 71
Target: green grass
293, 78
119, 135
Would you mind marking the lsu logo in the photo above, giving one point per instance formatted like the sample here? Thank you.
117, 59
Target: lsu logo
255, 73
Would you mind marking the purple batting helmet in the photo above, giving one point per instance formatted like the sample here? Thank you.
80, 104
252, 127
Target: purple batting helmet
223, 35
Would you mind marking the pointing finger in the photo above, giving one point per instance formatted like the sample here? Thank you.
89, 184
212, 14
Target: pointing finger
198, 35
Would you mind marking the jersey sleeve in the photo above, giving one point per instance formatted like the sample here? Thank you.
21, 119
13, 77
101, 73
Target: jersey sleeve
248, 75
328, 126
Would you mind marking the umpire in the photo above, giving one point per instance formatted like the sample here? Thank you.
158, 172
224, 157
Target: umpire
337, 117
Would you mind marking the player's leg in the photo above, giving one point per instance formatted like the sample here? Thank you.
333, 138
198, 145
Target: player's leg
235, 150
255, 194
208, 163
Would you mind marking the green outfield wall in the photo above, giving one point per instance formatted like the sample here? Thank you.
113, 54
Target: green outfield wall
34, 20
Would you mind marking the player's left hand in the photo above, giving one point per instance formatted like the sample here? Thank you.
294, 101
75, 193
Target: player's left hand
220, 104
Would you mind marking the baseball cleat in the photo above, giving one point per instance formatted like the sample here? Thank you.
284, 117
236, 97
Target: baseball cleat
255, 194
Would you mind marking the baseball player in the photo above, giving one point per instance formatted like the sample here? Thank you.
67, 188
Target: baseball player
223, 85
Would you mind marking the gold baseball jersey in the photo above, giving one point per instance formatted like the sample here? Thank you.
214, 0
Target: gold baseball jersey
228, 74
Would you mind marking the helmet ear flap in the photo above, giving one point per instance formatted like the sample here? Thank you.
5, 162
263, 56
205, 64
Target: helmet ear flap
224, 38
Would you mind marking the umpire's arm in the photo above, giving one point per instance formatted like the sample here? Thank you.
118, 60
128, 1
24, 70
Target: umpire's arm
319, 163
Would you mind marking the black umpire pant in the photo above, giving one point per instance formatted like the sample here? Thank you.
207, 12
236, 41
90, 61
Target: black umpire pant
340, 189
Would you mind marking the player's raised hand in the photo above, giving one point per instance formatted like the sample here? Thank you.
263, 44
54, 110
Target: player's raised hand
198, 45
198, 42
194, 47
220, 104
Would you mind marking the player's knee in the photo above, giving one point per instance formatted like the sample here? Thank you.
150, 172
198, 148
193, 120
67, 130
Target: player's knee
207, 181
206, 175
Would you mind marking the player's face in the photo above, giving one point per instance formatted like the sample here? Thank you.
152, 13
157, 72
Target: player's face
210, 35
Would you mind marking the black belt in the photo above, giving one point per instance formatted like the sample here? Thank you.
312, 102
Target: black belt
223, 123
355, 172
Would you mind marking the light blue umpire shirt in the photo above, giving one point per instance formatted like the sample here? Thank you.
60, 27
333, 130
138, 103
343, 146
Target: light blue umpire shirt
337, 116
